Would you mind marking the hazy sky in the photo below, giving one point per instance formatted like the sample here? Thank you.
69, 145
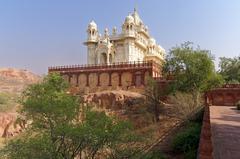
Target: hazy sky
35, 34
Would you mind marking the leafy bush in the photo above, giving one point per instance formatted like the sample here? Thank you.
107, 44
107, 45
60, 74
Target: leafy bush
238, 105
187, 140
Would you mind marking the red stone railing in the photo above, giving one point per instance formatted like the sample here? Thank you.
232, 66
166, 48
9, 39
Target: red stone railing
134, 64
230, 86
205, 149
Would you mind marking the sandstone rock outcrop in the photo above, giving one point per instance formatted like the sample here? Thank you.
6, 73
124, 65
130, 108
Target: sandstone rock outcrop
114, 100
9, 127
15, 80
12, 83
124, 104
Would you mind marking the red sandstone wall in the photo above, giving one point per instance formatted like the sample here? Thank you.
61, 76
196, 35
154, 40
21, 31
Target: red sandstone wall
92, 78
226, 95
205, 149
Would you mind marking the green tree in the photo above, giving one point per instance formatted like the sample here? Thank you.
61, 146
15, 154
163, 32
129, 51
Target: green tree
61, 127
230, 69
193, 70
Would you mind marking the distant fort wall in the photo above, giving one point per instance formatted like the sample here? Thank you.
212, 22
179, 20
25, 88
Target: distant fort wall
124, 75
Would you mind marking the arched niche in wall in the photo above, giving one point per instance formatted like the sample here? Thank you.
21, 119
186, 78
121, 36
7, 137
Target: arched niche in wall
138, 80
104, 79
103, 58
115, 79
82, 80
126, 79
93, 79
110, 58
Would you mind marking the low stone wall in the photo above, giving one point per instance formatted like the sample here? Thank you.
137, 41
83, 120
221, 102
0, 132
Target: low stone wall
205, 149
227, 95
92, 78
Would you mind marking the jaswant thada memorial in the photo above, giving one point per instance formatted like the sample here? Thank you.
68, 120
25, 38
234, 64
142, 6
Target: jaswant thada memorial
116, 60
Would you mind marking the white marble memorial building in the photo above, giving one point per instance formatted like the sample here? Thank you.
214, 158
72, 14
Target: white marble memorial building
133, 43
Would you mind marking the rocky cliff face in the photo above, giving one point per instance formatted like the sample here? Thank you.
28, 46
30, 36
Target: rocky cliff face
124, 104
14, 80
12, 83
114, 100
8, 125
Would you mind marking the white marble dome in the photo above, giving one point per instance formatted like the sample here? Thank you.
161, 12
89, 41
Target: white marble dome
129, 19
92, 25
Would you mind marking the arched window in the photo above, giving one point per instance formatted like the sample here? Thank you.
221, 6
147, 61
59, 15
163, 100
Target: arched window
103, 58
110, 58
131, 27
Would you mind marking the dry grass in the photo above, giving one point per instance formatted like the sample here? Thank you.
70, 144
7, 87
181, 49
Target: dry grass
183, 105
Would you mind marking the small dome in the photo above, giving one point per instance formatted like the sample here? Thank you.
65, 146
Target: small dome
129, 19
92, 25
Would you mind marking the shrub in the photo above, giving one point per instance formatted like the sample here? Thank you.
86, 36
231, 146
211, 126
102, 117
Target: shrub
238, 105
192, 154
183, 105
156, 154
7, 101
188, 139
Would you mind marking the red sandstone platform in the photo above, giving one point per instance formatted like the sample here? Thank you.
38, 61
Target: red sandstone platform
225, 127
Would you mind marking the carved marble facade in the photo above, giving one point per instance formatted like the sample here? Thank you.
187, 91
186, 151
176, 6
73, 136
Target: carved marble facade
134, 43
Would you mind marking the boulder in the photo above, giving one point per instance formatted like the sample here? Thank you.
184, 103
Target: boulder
8, 125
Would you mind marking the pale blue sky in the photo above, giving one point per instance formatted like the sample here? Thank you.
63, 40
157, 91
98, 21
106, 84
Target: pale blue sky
35, 34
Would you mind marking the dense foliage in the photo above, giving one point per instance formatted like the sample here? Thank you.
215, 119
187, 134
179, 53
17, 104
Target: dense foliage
61, 127
230, 69
193, 70
186, 141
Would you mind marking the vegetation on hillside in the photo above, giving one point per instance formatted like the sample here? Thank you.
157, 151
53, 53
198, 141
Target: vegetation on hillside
230, 69
193, 70
7, 101
154, 97
187, 140
183, 106
61, 127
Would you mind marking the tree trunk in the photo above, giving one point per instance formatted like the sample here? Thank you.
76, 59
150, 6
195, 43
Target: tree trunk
156, 113
195, 95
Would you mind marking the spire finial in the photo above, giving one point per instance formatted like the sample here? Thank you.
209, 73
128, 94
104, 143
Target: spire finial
135, 8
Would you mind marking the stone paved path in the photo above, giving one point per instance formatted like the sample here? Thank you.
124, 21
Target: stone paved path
225, 126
